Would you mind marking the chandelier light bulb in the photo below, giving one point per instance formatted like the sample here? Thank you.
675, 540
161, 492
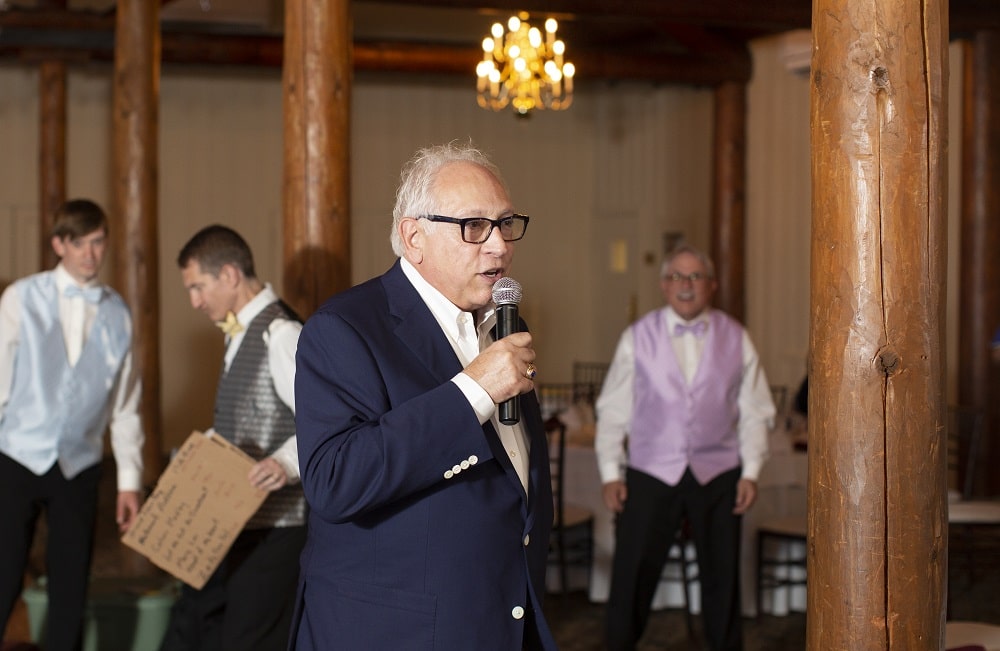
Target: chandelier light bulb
551, 25
497, 30
535, 37
514, 24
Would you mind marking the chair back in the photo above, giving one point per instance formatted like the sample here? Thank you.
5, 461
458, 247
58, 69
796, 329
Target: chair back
588, 378
964, 427
779, 395
572, 540
555, 433
554, 397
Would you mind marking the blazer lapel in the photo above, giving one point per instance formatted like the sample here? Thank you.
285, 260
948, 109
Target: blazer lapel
416, 326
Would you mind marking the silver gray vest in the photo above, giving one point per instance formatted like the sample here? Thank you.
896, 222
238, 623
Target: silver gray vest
249, 413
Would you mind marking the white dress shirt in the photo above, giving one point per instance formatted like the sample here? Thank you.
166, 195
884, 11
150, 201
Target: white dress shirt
281, 339
614, 405
76, 318
468, 339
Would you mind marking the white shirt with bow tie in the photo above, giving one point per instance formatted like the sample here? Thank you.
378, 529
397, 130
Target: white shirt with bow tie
76, 316
76, 311
614, 405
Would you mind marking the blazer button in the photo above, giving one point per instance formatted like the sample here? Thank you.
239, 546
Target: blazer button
456, 469
448, 474
517, 613
527, 539
465, 464
473, 459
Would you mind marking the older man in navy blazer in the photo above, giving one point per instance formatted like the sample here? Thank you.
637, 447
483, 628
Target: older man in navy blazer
429, 522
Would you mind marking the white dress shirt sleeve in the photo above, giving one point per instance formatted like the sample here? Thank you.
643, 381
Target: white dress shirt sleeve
477, 396
10, 326
127, 435
282, 338
756, 412
614, 411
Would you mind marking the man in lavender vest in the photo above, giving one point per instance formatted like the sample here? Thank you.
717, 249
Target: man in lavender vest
65, 375
686, 392
247, 603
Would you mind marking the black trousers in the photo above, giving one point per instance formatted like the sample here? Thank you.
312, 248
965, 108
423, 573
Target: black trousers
70, 507
645, 531
247, 603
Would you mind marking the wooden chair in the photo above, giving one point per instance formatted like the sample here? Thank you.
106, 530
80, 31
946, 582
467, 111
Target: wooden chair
572, 540
779, 395
964, 428
973, 524
778, 567
678, 569
588, 378
554, 397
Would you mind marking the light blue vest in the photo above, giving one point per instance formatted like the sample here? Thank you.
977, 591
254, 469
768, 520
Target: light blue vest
57, 411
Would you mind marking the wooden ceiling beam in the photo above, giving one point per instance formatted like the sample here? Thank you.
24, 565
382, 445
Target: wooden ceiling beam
772, 15
33, 36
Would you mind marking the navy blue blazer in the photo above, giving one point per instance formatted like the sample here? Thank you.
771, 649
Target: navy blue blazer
420, 533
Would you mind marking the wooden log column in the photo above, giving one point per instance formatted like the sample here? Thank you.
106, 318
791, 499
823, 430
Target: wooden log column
877, 538
317, 105
728, 248
979, 266
51, 153
135, 90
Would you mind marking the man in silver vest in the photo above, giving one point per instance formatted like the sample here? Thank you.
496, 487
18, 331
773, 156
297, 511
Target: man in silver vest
687, 390
65, 375
247, 603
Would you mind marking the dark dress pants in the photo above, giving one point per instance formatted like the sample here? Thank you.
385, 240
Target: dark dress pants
248, 602
645, 531
70, 507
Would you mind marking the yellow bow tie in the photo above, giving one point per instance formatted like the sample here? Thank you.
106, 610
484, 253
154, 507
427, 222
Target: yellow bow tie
230, 326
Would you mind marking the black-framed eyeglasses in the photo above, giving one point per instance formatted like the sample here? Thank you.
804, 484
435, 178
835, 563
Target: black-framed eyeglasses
476, 230
677, 277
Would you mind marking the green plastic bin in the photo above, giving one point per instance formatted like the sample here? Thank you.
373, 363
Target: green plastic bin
121, 614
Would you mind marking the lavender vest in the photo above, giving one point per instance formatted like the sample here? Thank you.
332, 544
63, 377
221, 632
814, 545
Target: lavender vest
57, 411
676, 425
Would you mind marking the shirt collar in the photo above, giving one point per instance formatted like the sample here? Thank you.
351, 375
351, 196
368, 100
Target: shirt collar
64, 279
256, 304
674, 318
444, 311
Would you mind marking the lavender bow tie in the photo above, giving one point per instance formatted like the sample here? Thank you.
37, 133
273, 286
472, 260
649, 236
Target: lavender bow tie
697, 328
89, 294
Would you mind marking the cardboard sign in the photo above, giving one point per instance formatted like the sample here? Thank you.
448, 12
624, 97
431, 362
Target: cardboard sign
199, 506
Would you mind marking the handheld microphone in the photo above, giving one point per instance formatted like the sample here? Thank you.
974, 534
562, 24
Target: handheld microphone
506, 295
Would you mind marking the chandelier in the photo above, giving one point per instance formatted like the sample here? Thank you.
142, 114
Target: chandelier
523, 69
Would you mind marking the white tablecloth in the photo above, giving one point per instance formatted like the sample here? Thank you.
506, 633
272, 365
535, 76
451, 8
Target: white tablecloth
781, 492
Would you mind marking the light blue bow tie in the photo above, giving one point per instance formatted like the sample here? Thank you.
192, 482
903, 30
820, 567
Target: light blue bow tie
697, 328
89, 294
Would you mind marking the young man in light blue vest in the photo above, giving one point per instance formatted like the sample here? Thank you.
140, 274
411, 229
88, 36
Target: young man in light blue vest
65, 375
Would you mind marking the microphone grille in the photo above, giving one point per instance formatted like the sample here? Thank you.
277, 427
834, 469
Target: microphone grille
506, 291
